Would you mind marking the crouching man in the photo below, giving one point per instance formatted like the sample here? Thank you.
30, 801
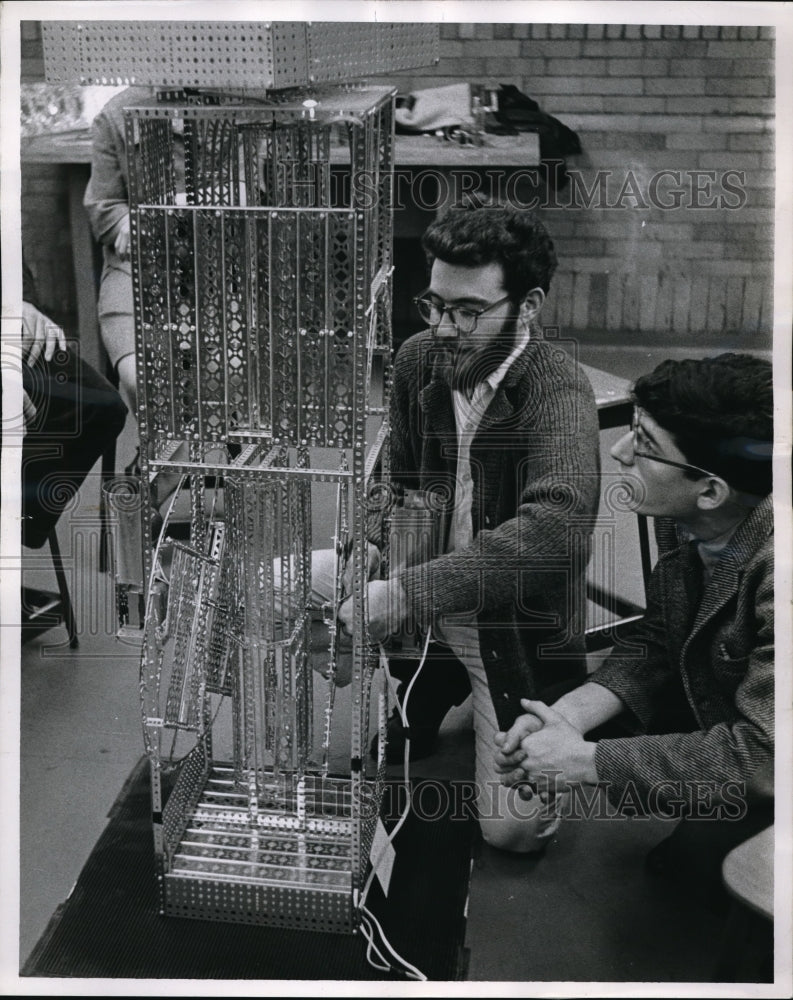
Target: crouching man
695, 690
499, 425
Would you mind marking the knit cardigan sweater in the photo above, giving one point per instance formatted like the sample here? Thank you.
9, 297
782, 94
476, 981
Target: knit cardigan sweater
535, 465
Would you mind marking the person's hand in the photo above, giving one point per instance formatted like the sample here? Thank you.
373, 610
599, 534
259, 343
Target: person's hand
39, 335
555, 748
372, 567
387, 609
510, 751
121, 245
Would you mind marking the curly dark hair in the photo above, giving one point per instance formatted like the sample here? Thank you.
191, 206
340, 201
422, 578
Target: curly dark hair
720, 413
504, 235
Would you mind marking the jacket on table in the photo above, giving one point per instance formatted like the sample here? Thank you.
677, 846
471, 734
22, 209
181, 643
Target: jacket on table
535, 466
719, 642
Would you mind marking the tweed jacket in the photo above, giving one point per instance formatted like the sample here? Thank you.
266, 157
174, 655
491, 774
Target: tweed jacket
535, 466
720, 642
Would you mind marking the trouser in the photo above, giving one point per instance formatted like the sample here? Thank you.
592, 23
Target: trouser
115, 308
78, 414
506, 820
694, 851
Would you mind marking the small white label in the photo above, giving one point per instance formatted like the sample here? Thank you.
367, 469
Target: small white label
383, 856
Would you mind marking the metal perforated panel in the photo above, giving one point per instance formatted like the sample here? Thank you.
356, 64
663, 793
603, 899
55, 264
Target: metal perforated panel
291, 865
272, 905
61, 52
261, 295
345, 50
230, 54
163, 53
256, 314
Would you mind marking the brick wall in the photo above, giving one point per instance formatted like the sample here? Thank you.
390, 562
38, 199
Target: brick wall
644, 99
696, 100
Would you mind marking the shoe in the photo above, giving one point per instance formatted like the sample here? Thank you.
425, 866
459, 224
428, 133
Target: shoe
432, 694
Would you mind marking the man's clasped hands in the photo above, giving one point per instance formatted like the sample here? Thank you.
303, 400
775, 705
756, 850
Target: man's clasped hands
544, 751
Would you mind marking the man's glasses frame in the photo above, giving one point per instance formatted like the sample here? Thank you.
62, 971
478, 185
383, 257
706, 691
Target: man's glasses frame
462, 318
686, 466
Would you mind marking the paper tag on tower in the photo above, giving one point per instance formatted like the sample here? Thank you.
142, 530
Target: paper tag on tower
383, 856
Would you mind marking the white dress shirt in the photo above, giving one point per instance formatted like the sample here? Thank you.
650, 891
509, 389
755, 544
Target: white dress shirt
468, 415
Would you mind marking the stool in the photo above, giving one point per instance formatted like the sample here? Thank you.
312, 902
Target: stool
747, 953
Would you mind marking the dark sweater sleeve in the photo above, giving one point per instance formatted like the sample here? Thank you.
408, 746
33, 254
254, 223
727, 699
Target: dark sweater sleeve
642, 669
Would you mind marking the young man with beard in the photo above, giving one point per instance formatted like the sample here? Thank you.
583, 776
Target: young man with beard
693, 683
501, 428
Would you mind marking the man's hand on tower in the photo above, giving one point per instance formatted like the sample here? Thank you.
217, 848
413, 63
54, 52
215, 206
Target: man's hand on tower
388, 608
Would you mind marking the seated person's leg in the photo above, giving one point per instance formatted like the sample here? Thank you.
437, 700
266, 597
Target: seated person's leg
78, 415
125, 370
116, 313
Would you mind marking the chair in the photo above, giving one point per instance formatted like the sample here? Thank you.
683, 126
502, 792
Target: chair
615, 409
43, 610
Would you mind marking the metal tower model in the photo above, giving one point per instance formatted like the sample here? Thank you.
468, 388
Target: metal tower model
260, 309
261, 230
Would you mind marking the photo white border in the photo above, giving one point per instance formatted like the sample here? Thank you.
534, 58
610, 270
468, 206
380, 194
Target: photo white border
780, 15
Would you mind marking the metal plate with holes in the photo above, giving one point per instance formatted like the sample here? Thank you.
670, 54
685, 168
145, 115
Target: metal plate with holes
235, 55
274, 869
223, 54
261, 288
256, 314
345, 50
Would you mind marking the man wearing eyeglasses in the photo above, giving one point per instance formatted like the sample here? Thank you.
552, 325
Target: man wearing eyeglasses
500, 427
693, 682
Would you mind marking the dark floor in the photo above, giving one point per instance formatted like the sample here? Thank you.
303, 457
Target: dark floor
585, 912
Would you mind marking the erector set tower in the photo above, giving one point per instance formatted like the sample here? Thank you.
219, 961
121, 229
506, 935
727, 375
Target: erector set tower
261, 231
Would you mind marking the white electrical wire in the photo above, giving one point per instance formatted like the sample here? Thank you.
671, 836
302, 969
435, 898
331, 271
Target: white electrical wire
368, 918
407, 969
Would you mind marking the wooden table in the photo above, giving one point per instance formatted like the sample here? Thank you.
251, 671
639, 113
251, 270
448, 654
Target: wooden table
522, 150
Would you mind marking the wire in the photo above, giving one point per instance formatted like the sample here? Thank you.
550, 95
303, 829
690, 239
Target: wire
368, 918
368, 932
409, 970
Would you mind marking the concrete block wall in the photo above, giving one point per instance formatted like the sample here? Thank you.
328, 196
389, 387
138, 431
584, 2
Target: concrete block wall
667, 228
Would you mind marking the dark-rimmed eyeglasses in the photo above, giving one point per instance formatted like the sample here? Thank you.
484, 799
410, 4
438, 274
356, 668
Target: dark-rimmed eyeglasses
462, 318
637, 437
